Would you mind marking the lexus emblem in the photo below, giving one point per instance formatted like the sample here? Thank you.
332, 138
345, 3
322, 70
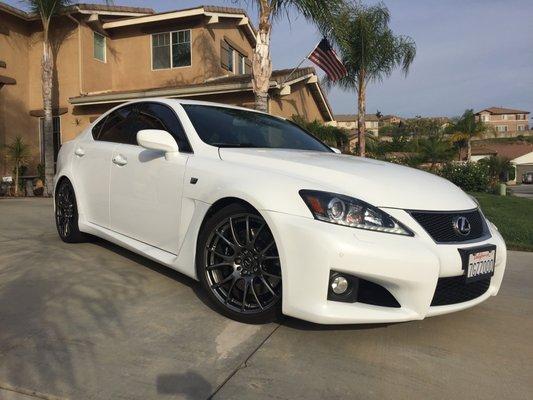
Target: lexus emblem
461, 225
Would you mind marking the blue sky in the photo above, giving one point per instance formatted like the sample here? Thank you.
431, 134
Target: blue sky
470, 54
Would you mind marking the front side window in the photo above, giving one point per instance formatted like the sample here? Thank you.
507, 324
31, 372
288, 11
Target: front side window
116, 127
99, 47
171, 49
229, 127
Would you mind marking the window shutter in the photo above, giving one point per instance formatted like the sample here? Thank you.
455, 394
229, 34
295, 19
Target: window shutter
248, 66
224, 55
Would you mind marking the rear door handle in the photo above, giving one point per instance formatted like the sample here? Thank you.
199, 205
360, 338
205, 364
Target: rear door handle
120, 160
79, 152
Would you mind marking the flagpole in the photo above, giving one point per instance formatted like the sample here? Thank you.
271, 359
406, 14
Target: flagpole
298, 66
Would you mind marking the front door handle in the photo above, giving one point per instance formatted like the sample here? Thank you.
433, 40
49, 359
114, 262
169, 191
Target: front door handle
79, 152
120, 160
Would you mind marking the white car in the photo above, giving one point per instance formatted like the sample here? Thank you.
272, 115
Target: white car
269, 219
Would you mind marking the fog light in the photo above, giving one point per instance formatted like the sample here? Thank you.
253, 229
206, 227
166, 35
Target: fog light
339, 285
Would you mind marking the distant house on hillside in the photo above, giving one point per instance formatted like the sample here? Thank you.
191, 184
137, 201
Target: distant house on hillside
349, 121
504, 119
390, 120
520, 154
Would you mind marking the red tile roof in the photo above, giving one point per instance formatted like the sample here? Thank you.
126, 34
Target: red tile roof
500, 110
507, 150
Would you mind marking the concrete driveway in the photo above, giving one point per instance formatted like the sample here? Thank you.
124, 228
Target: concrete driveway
522, 191
93, 321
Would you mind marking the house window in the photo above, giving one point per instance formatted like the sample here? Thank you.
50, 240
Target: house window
171, 49
484, 118
232, 60
56, 129
501, 128
242, 64
99, 47
521, 127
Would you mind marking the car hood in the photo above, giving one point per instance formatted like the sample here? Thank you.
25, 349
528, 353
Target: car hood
376, 182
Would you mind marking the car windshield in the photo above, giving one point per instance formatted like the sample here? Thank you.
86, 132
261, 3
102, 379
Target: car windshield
230, 127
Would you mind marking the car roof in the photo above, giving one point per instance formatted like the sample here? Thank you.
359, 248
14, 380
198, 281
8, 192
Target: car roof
195, 102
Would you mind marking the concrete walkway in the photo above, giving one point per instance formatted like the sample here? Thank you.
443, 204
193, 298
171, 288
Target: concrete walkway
93, 321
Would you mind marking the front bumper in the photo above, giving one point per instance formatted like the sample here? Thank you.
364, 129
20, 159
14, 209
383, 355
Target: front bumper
408, 267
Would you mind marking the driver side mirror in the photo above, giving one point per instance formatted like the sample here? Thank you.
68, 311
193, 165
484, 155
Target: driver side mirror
335, 150
157, 139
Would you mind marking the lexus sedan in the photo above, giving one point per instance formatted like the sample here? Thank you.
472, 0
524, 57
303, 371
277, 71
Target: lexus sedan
271, 220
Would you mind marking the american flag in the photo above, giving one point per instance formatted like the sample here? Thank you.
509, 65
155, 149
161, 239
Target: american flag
325, 57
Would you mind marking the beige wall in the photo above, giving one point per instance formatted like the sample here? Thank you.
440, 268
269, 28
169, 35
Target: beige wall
14, 99
299, 102
129, 57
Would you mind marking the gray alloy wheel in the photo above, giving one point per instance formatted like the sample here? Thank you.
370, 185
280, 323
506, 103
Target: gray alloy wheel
66, 213
240, 265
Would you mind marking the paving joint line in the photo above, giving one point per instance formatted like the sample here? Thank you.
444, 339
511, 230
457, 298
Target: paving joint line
29, 393
244, 364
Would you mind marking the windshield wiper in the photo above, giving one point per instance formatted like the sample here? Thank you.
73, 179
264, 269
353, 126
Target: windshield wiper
249, 145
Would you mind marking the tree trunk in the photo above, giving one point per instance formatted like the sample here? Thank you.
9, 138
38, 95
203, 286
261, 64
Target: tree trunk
47, 65
261, 61
16, 179
468, 150
361, 111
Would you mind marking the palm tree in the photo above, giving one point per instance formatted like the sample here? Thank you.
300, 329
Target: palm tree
370, 52
498, 168
318, 11
46, 9
465, 128
434, 149
18, 152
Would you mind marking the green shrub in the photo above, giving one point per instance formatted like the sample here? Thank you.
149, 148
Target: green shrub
471, 177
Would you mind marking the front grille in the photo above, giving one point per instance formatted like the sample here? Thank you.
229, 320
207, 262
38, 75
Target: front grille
454, 290
440, 225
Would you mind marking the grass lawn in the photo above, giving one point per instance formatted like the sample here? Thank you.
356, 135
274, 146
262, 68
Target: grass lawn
513, 216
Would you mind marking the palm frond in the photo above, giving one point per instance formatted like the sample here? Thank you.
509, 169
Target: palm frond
46, 8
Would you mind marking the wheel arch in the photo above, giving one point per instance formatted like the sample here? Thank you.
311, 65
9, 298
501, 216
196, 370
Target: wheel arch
220, 204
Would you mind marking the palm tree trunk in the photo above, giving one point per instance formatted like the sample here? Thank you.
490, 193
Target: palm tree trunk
16, 179
468, 150
47, 65
261, 62
361, 111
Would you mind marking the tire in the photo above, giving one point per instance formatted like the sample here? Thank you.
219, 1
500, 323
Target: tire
66, 214
238, 265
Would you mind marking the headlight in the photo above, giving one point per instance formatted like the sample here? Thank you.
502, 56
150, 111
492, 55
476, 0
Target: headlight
348, 211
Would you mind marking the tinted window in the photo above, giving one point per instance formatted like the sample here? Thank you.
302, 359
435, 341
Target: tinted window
98, 127
228, 127
169, 122
116, 127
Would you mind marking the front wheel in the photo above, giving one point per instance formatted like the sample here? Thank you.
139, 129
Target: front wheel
66, 213
238, 265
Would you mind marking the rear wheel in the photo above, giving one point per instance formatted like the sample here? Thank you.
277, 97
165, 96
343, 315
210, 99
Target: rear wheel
66, 214
238, 265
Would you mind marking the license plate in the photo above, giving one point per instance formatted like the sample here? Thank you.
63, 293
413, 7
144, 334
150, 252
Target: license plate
478, 263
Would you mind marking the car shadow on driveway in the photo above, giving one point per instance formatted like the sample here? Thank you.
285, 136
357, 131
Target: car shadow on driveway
289, 322
159, 268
